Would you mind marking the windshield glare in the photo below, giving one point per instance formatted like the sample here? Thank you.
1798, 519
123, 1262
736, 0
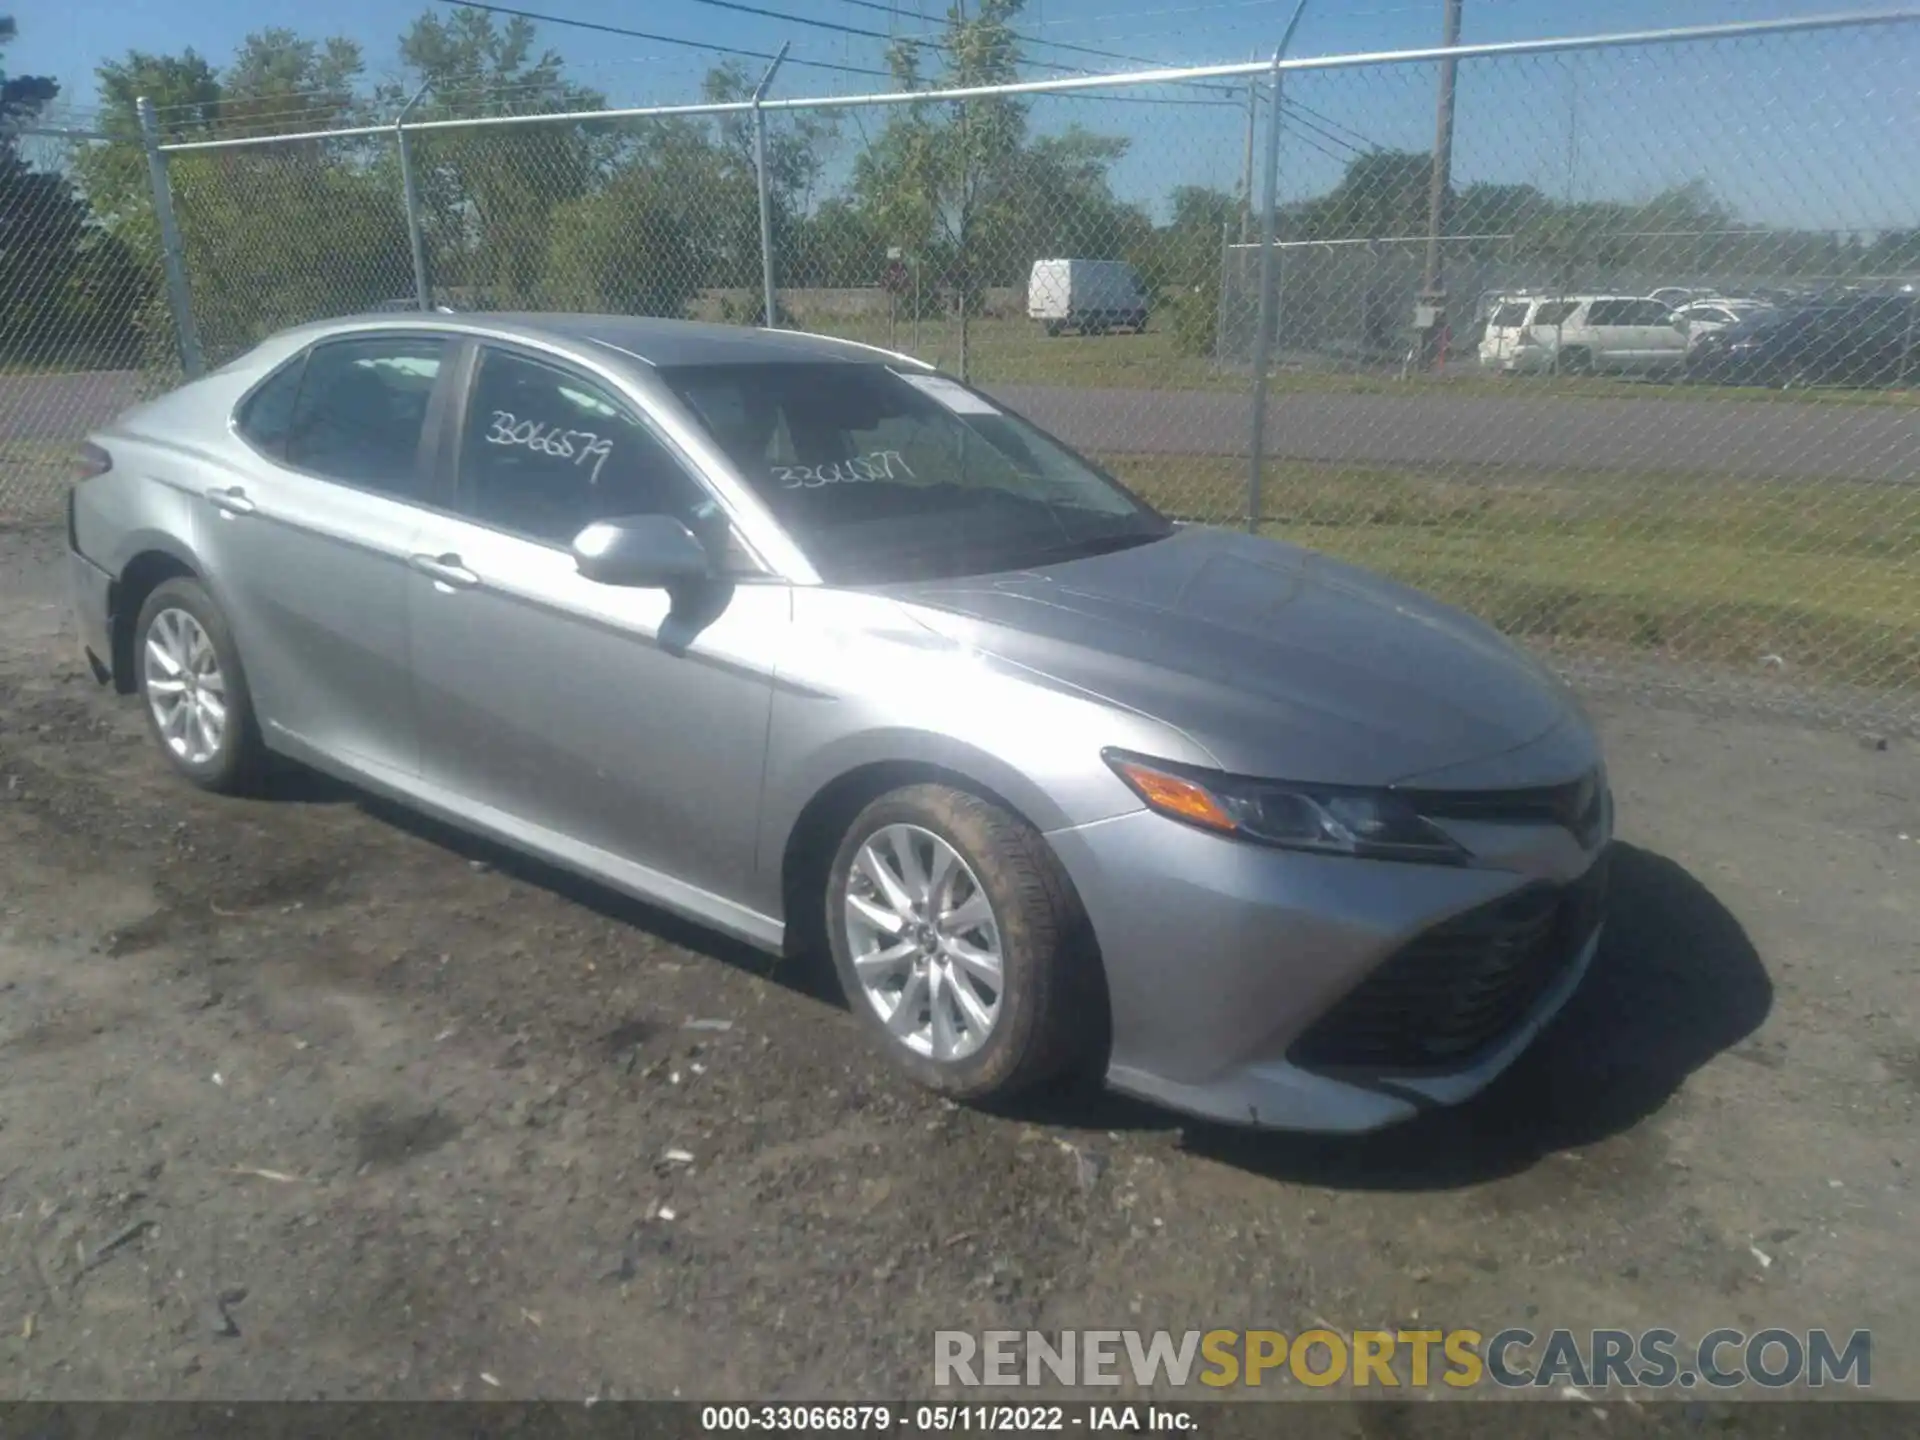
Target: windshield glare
881, 475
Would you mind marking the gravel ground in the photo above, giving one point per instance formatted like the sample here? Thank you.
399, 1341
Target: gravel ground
303, 1096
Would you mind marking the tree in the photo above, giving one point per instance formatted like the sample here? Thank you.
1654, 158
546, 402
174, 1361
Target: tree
1383, 195
279, 83
68, 291
489, 196
626, 250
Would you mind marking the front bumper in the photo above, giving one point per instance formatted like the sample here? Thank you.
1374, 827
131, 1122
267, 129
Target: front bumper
89, 597
1230, 967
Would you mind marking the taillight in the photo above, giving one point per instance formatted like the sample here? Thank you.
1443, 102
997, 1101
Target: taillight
1526, 334
93, 461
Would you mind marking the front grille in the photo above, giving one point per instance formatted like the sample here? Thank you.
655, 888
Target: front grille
1579, 806
1458, 989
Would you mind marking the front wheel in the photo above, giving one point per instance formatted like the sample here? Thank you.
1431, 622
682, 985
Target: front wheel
195, 692
960, 943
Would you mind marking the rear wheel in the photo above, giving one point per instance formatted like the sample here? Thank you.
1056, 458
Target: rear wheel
960, 944
1576, 362
195, 692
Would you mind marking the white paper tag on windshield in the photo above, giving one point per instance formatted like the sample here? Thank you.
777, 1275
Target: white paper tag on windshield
956, 398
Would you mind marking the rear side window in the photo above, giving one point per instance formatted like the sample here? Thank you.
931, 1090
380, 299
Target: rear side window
266, 415
361, 410
1509, 317
1555, 312
1644, 312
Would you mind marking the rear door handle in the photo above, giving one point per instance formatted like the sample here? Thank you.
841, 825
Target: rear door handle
233, 500
445, 569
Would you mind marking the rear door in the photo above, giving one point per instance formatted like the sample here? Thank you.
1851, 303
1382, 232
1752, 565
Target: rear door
308, 555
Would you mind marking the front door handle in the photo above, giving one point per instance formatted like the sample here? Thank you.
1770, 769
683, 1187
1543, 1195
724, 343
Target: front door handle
233, 500
445, 569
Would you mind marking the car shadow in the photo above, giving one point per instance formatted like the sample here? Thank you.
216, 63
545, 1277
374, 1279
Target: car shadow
802, 972
1676, 982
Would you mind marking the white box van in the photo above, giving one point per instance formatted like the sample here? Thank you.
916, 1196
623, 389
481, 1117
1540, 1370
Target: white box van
1583, 334
1086, 295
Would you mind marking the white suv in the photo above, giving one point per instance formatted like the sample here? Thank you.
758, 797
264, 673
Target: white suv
1583, 334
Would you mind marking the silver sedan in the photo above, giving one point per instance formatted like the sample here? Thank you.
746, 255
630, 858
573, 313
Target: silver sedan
815, 645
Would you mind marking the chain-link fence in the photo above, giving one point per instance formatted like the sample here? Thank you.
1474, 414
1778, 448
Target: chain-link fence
1630, 371
76, 302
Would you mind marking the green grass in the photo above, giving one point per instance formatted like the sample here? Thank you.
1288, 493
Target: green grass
1691, 568
1018, 352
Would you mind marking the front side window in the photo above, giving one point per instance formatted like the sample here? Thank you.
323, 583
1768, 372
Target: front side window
883, 475
545, 453
361, 409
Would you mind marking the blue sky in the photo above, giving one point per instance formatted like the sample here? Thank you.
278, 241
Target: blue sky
1810, 130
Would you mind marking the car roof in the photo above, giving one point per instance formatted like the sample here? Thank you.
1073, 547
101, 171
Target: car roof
649, 339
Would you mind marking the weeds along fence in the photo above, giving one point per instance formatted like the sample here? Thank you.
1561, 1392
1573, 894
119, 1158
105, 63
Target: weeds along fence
1323, 246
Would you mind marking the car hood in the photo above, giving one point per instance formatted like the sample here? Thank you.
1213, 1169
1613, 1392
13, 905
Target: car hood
1274, 660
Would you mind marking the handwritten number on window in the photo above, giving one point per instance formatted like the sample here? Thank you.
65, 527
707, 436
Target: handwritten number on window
579, 446
862, 469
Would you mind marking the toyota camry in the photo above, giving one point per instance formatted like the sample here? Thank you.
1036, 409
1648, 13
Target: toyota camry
822, 648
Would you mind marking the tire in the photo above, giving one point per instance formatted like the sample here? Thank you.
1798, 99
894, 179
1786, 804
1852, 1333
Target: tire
1576, 362
1053, 328
1044, 1016
179, 625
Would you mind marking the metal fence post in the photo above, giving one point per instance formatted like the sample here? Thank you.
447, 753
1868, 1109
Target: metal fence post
1263, 337
410, 195
178, 298
769, 315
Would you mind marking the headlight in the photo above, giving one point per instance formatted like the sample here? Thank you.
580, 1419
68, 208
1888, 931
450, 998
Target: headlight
1328, 819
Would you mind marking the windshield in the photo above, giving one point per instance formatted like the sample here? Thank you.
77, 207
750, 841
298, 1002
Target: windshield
883, 475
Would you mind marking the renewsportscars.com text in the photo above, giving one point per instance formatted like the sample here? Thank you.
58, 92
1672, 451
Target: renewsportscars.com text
1511, 1358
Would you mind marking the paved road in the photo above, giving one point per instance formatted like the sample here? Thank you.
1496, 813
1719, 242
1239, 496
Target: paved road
1798, 441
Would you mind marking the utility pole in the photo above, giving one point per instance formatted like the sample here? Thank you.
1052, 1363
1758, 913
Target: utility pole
1246, 168
1433, 289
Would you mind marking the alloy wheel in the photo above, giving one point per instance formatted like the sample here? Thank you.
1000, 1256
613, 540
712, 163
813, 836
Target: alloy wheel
185, 688
924, 942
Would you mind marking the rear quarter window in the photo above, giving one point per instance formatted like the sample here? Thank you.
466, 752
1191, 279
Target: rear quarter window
264, 416
1555, 312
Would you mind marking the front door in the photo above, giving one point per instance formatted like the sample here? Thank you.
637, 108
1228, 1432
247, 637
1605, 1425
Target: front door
596, 722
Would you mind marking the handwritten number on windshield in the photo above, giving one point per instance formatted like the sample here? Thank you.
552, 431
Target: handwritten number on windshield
862, 469
579, 446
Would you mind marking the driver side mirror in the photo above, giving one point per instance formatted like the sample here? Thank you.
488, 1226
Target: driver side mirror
641, 552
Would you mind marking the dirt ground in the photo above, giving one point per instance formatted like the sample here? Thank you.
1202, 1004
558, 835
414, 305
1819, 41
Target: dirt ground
305, 1097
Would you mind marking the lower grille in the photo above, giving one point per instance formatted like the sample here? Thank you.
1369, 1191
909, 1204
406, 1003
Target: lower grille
1458, 989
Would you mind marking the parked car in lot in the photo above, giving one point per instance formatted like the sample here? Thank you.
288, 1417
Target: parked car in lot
1703, 317
1674, 296
1091, 296
1865, 340
822, 648
1581, 335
